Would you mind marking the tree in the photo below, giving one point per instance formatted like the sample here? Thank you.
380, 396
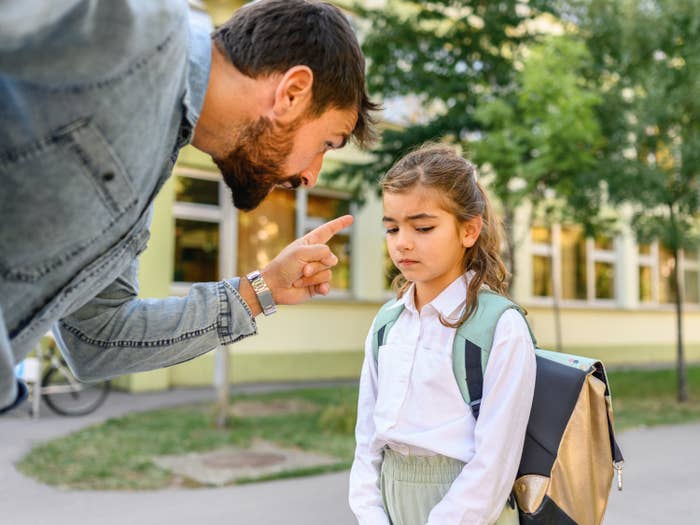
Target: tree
542, 142
479, 78
647, 56
447, 56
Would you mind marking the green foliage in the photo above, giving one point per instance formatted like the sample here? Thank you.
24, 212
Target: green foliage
449, 56
339, 419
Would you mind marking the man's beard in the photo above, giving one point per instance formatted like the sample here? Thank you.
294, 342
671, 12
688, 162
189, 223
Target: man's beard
256, 165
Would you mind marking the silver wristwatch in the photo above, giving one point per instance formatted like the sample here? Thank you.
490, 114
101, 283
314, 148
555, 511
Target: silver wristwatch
267, 303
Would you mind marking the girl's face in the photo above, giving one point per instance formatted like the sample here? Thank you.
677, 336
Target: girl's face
426, 242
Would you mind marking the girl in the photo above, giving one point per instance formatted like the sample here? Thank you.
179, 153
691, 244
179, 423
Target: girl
421, 457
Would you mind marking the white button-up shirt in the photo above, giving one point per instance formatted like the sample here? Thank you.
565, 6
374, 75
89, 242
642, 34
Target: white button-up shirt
416, 407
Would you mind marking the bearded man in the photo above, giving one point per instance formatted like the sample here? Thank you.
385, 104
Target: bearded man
97, 99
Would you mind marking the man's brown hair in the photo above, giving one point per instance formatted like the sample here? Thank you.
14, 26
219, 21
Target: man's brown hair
271, 36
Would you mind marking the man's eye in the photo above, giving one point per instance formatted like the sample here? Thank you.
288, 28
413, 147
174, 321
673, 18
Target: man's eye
425, 229
329, 146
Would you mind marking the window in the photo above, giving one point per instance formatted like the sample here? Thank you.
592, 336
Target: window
656, 267
583, 269
666, 266
541, 261
603, 266
313, 209
201, 211
691, 277
265, 231
573, 263
214, 241
648, 269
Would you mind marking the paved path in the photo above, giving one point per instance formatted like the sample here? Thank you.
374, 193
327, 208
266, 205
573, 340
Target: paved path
662, 482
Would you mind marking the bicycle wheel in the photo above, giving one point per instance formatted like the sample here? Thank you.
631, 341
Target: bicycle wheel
66, 396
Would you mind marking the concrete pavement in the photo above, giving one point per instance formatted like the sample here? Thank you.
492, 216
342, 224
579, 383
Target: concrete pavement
662, 482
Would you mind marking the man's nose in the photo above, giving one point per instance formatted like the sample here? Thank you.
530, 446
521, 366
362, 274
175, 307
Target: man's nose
309, 176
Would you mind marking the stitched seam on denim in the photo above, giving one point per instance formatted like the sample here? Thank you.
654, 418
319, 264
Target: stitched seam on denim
227, 337
136, 344
223, 328
52, 264
26, 151
139, 64
70, 289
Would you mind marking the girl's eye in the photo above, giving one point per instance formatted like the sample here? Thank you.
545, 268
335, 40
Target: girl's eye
390, 231
425, 229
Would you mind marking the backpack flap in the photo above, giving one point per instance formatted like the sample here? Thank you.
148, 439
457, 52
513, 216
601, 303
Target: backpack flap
567, 464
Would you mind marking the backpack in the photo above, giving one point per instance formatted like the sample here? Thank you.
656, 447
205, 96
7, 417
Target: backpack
570, 453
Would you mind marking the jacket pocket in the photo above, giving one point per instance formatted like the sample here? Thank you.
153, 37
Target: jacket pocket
60, 195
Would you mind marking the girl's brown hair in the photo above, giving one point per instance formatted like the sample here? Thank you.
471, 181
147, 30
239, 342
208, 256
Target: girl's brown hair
441, 168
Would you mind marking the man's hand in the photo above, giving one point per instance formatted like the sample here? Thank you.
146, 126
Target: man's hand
303, 269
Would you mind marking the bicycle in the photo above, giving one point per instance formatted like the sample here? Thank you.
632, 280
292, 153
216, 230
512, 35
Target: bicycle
62, 392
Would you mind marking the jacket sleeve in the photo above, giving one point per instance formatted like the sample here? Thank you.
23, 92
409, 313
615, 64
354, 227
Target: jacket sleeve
365, 492
117, 333
479, 494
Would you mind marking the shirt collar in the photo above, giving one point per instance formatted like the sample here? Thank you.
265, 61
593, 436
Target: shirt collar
199, 65
449, 303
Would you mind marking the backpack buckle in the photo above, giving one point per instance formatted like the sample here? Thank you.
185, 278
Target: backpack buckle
618, 466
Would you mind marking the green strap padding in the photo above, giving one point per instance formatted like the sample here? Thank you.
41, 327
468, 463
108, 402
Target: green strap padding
479, 329
385, 319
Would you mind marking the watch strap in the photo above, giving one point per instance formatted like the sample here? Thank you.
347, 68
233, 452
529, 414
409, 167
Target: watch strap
263, 293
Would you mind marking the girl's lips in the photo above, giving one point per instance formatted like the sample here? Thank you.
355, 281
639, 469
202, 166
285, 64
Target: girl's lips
407, 262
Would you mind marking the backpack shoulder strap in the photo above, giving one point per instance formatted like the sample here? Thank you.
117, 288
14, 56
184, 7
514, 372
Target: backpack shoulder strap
384, 320
472, 346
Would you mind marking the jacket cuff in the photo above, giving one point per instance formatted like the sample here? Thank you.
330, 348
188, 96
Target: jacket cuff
236, 321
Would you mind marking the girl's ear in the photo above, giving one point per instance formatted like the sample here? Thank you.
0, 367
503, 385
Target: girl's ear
471, 230
293, 94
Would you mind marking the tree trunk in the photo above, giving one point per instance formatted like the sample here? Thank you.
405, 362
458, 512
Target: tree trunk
680, 357
556, 298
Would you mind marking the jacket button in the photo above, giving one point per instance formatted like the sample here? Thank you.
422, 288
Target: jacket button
108, 176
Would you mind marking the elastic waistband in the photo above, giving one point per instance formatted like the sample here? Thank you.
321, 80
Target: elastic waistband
420, 469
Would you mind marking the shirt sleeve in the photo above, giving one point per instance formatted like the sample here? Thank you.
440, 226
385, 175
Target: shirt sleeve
479, 494
365, 492
117, 333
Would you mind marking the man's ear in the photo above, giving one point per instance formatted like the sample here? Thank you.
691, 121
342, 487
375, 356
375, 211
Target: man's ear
293, 94
471, 230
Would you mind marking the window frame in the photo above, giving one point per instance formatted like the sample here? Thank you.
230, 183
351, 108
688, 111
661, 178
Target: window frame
593, 255
226, 216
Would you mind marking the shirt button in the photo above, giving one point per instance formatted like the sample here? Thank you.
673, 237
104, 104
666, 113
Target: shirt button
108, 176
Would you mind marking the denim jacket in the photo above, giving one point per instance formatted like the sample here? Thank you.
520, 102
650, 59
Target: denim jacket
96, 99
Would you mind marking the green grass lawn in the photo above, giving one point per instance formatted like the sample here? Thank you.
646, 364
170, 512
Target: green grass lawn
117, 454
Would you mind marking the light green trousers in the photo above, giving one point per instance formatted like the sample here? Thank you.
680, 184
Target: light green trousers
413, 485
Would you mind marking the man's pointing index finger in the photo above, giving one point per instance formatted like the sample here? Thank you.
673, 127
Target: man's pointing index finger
323, 233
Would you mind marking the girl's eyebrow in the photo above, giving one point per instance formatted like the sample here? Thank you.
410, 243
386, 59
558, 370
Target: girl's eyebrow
411, 217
